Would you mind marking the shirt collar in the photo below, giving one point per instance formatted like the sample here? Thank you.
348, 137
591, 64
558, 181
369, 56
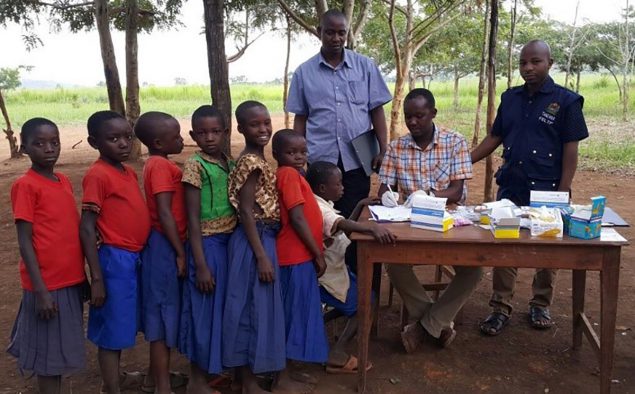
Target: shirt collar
435, 139
320, 200
546, 88
210, 159
346, 61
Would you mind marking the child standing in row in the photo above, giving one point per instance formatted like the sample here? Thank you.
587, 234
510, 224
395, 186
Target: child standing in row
163, 258
300, 249
113, 207
253, 321
211, 219
48, 334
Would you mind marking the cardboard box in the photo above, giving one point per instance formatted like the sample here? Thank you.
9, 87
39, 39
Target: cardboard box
547, 199
429, 213
504, 223
586, 221
546, 222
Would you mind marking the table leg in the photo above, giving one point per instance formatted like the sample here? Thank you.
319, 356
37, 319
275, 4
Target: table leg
609, 282
578, 290
364, 282
377, 289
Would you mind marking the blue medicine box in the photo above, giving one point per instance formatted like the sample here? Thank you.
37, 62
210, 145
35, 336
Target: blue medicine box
586, 222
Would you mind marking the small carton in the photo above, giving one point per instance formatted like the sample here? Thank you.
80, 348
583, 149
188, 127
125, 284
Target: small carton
586, 221
547, 199
546, 222
429, 213
504, 223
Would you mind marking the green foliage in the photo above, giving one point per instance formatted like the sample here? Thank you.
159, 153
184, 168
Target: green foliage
611, 145
9, 78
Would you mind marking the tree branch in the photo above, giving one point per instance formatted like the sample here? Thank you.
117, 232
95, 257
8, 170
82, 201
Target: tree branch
423, 39
60, 6
393, 37
362, 16
426, 22
287, 10
321, 7
241, 51
397, 7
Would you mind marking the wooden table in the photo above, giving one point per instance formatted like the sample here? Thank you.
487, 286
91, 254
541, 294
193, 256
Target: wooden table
474, 246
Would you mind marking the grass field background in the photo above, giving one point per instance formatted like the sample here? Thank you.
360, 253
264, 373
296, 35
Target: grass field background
611, 145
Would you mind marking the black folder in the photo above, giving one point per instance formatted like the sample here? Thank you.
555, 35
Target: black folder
366, 147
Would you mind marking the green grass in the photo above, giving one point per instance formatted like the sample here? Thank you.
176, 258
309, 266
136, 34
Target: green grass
612, 142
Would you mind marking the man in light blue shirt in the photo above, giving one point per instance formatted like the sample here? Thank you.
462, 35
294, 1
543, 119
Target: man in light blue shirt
336, 96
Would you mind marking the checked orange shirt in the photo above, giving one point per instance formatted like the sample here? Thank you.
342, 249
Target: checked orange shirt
411, 168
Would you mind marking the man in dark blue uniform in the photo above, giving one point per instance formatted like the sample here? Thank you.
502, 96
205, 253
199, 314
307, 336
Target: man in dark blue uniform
540, 125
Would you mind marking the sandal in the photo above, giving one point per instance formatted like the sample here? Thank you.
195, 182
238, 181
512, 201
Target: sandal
350, 367
494, 324
540, 318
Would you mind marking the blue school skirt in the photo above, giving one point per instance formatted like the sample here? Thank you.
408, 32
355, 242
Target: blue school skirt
54, 347
160, 291
114, 325
349, 307
306, 336
253, 323
201, 314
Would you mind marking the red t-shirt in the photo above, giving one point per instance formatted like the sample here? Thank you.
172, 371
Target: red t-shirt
123, 219
160, 175
295, 190
50, 208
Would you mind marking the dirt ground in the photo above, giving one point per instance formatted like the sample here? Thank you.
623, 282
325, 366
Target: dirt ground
521, 360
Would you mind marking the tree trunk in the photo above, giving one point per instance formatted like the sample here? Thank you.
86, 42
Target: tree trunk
217, 61
10, 135
488, 193
627, 56
133, 108
399, 94
285, 84
481, 77
510, 46
455, 100
577, 82
572, 46
111, 73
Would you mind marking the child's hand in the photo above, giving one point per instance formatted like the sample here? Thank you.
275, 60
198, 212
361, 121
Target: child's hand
320, 265
97, 293
383, 234
46, 307
369, 201
181, 266
265, 270
205, 282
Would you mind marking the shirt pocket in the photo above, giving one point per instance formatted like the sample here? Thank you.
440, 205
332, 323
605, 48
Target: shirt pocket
543, 165
440, 177
358, 92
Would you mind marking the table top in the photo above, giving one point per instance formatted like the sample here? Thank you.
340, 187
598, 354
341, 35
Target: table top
476, 234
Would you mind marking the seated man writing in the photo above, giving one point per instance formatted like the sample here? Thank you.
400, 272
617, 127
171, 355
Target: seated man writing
436, 161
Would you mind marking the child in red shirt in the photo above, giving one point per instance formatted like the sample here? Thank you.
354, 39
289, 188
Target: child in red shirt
300, 252
112, 206
163, 258
48, 334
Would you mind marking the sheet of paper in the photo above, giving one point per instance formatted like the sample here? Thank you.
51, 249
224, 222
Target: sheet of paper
381, 213
611, 235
